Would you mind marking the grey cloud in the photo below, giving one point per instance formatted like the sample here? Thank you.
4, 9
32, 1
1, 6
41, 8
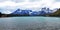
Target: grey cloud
18, 0
12, 0
2, 0
57, 0
34, 0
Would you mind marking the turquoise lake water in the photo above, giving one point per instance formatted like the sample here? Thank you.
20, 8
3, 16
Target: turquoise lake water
30, 23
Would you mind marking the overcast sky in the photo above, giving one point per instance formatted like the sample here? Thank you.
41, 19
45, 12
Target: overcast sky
23, 0
8, 6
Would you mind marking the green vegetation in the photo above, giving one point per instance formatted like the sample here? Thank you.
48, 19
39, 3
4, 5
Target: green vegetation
57, 13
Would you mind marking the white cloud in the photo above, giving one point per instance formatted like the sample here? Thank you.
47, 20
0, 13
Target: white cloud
55, 5
7, 3
27, 3
30, 5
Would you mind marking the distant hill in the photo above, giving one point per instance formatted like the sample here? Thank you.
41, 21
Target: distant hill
57, 13
16, 12
43, 11
0, 14
20, 12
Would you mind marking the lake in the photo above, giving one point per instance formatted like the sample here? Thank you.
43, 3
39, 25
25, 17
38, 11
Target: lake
30, 23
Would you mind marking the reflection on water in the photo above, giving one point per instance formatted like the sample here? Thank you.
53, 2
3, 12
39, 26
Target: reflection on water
30, 23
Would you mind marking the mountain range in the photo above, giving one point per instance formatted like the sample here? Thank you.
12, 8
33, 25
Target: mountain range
30, 12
